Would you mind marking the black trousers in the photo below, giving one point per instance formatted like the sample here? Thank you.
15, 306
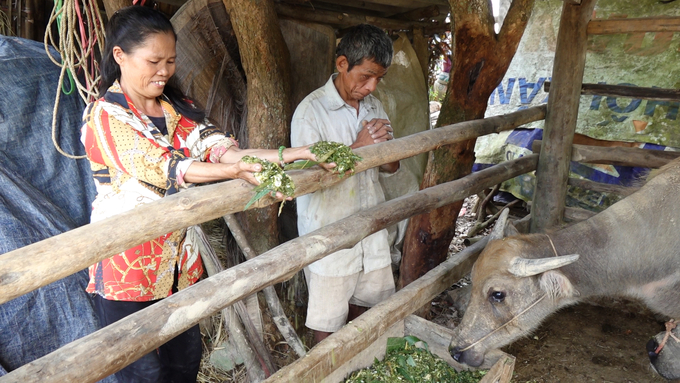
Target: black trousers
177, 361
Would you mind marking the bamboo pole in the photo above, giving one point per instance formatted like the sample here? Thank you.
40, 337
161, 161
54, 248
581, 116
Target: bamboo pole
634, 25
637, 92
147, 329
41, 263
560, 122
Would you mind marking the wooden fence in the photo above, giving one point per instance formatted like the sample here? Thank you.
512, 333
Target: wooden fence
123, 342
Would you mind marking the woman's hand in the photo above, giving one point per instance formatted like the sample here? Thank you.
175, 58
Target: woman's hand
245, 172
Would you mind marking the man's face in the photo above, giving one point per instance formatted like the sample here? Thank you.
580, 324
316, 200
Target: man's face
360, 81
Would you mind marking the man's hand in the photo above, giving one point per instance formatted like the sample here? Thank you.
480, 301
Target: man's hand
374, 131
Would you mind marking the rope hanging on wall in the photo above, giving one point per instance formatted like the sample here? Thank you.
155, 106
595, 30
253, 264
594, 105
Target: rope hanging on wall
5, 24
81, 37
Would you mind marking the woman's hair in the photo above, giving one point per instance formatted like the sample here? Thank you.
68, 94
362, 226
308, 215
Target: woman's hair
129, 28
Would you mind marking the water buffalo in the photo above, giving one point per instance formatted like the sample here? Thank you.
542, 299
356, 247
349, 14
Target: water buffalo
632, 249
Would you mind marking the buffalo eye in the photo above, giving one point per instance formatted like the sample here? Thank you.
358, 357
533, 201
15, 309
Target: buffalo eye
497, 296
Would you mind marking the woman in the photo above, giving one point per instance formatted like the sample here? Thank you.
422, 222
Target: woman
144, 141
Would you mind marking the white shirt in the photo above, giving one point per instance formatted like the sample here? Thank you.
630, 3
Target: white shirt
324, 116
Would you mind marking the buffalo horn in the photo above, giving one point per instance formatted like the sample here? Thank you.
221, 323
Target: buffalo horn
499, 227
525, 267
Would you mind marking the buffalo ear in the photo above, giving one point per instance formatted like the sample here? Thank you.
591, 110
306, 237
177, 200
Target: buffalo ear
557, 285
499, 228
511, 230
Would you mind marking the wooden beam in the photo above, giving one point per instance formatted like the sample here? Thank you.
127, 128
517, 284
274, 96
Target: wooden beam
419, 13
342, 20
137, 334
623, 191
340, 8
636, 25
386, 10
616, 155
642, 93
410, 4
645, 158
560, 123
30, 267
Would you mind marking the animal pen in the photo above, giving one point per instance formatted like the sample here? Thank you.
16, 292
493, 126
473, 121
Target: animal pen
39, 264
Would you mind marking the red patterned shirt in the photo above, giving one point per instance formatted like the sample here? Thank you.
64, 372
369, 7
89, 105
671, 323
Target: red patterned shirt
135, 164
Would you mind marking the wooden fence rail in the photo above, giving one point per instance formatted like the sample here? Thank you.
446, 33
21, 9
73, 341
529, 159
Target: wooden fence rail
41, 263
113, 347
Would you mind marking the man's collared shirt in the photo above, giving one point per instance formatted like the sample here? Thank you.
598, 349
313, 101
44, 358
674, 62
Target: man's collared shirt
324, 116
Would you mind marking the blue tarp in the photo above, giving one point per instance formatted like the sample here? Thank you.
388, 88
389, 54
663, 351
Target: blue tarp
42, 194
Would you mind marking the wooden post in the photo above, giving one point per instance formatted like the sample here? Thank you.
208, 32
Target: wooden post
30, 267
112, 6
421, 47
266, 62
560, 123
147, 329
634, 25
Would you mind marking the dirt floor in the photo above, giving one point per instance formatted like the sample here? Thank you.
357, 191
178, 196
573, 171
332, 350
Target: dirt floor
601, 341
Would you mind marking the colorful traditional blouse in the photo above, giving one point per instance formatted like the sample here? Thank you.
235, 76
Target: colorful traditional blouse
135, 164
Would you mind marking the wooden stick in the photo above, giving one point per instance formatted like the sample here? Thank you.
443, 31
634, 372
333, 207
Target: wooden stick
233, 326
633, 25
481, 213
602, 187
342, 345
278, 315
253, 335
617, 155
637, 92
483, 225
145, 330
41, 263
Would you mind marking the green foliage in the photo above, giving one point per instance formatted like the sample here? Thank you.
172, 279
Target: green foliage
328, 151
271, 179
408, 359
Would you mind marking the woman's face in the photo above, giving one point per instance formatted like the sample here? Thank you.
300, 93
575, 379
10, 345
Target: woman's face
146, 69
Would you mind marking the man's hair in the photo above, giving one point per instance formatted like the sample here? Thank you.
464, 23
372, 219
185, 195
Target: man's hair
366, 42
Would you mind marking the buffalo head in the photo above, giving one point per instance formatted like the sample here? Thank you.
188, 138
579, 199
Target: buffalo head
515, 285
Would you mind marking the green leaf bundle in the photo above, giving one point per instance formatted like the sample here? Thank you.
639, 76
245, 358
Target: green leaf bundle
408, 359
328, 151
271, 178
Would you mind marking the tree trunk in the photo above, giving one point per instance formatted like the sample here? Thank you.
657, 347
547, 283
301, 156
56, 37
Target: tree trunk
480, 60
265, 60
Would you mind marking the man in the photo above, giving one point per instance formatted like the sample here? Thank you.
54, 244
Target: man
346, 283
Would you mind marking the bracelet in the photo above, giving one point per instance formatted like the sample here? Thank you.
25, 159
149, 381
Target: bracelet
281, 155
